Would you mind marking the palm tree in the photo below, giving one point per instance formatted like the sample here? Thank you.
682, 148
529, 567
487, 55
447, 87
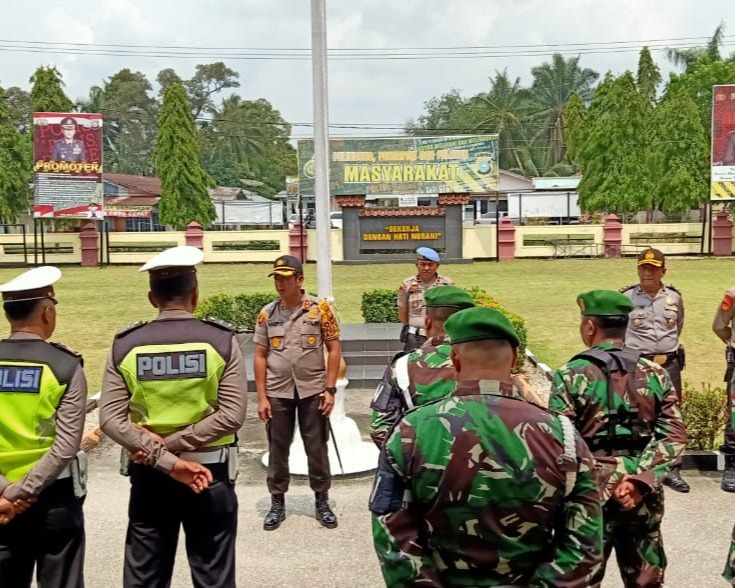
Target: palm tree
501, 110
553, 84
686, 58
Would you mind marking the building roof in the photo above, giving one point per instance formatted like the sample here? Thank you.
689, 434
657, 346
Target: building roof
132, 201
225, 194
136, 184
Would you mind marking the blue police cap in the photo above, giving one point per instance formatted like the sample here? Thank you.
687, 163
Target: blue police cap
428, 254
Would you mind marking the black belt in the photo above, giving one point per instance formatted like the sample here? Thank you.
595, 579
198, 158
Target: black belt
662, 359
618, 448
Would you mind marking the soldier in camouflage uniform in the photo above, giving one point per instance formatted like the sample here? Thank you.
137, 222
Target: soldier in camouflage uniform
482, 488
411, 304
722, 326
423, 375
626, 409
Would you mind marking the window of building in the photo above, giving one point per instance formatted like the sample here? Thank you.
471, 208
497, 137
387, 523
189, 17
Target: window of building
142, 225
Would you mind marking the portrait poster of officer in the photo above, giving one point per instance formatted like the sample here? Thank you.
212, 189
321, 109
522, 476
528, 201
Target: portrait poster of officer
67, 163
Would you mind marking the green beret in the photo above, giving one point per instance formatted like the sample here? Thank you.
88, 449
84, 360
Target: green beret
604, 303
479, 324
450, 296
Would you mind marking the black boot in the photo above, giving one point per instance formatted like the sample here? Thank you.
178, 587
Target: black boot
674, 481
276, 514
728, 476
324, 514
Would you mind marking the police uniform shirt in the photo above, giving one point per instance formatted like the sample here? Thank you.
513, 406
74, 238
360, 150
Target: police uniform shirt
70, 416
411, 296
722, 325
69, 151
295, 339
655, 324
231, 397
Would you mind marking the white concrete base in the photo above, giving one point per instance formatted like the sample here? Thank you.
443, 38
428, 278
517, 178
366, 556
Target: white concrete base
357, 455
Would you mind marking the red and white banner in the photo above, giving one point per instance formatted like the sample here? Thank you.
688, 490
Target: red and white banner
67, 151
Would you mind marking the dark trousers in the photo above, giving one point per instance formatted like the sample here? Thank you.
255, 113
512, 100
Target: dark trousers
636, 536
159, 505
49, 535
413, 342
673, 367
728, 447
314, 434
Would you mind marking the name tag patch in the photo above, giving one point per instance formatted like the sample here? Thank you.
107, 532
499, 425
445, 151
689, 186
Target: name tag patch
20, 379
171, 366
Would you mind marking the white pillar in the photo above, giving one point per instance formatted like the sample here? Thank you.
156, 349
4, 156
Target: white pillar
321, 147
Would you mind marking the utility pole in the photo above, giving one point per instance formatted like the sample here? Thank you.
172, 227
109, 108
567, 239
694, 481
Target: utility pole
321, 147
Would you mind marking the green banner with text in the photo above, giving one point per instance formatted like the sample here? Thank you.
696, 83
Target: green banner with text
405, 165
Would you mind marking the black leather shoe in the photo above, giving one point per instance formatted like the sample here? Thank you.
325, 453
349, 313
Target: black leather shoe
674, 481
324, 514
728, 476
276, 514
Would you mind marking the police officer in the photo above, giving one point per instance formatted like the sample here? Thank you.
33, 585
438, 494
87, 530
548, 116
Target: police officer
296, 378
627, 412
722, 326
654, 329
482, 488
424, 374
43, 395
411, 304
68, 148
174, 396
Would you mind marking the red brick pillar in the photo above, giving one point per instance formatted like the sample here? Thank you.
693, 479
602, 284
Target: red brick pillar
295, 241
506, 239
722, 235
194, 235
89, 236
612, 232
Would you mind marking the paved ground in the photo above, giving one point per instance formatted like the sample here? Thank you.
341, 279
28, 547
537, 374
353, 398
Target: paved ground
697, 527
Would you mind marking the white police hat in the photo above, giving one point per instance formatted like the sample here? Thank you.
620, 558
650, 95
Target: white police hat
35, 284
176, 258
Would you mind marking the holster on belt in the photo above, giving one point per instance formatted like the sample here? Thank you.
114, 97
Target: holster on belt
124, 462
681, 356
404, 334
78, 468
233, 463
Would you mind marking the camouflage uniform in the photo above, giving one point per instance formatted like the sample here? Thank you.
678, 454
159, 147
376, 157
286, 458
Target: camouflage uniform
644, 447
470, 492
729, 573
411, 296
431, 376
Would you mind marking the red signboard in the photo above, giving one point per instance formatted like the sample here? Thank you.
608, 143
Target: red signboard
68, 164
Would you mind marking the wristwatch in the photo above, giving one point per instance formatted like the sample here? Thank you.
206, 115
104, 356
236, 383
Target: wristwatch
331, 389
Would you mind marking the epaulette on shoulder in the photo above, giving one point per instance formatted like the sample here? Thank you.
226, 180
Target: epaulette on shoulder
628, 287
130, 328
68, 350
218, 323
674, 288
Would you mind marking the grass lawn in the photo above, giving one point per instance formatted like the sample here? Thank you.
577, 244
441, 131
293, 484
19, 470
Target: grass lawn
95, 303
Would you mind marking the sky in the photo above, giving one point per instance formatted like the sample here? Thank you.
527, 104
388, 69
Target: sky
361, 92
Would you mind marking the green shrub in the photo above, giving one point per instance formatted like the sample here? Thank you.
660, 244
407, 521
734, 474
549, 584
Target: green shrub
380, 306
482, 298
240, 311
704, 411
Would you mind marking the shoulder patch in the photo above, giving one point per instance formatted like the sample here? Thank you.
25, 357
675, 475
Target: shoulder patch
69, 350
218, 323
130, 328
628, 287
